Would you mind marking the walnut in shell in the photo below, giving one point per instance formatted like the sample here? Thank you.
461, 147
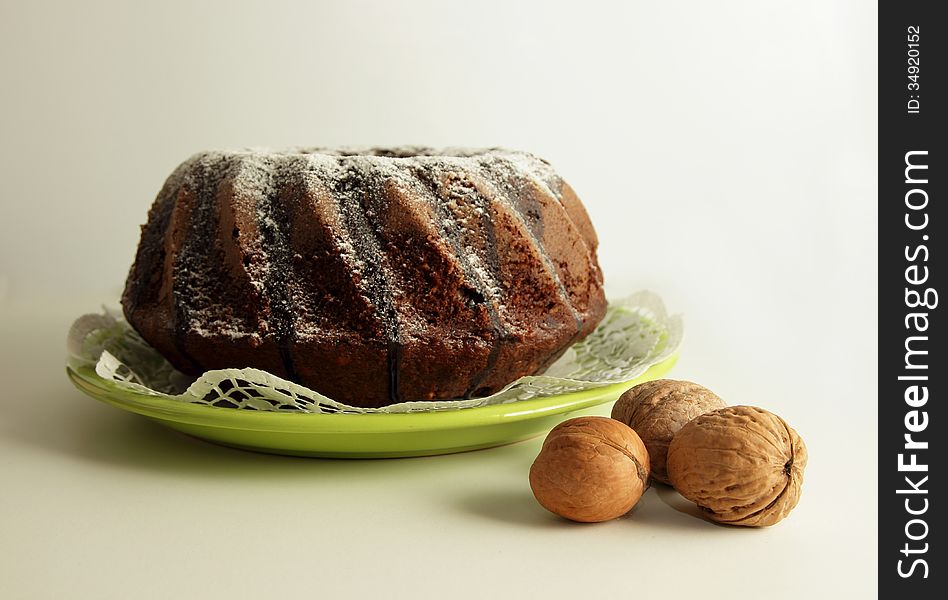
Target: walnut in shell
743, 465
656, 410
590, 469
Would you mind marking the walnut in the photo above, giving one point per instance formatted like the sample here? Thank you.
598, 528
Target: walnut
743, 465
656, 410
590, 469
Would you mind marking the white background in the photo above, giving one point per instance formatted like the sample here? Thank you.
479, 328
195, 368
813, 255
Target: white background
724, 150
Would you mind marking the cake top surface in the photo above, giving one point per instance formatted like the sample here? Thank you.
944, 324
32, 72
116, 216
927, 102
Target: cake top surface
397, 152
382, 161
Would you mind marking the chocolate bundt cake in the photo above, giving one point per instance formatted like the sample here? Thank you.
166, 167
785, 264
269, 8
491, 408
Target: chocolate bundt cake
372, 276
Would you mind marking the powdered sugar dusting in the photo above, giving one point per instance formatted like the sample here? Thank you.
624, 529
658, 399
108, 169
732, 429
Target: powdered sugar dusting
249, 204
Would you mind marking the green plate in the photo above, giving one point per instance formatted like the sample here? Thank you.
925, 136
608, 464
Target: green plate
362, 435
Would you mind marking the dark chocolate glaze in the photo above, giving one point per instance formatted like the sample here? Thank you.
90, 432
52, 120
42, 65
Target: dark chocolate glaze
356, 204
275, 233
450, 230
199, 221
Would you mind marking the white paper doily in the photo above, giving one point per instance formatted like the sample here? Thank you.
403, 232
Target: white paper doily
635, 334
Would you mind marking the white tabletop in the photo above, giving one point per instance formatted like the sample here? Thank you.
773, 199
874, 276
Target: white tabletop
106, 503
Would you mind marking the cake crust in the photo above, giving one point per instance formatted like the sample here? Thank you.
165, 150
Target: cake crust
373, 276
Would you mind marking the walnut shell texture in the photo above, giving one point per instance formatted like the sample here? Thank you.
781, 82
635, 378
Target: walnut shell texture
657, 409
743, 465
590, 469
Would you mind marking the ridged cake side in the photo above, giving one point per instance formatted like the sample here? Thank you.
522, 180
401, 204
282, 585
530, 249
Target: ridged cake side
373, 276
